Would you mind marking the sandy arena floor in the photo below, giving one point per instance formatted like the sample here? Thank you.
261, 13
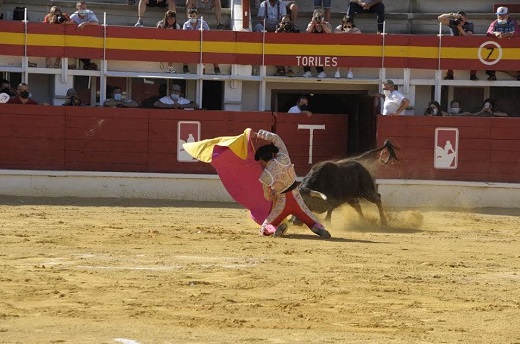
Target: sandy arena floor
113, 271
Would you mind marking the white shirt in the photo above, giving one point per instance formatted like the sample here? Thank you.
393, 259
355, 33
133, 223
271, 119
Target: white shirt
392, 102
294, 109
169, 101
90, 17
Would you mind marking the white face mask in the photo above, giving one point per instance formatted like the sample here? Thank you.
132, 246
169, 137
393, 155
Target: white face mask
193, 20
118, 96
502, 21
387, 93
82, 12
175, 96
454, 110
435, 112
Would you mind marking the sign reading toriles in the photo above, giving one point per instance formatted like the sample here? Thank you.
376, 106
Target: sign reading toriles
446, 148
187, 131
314, 61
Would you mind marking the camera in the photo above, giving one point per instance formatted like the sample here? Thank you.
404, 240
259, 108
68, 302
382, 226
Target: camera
318, 19
457, 21
60, 19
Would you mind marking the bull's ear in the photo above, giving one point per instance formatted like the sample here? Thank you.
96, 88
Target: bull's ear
318, 194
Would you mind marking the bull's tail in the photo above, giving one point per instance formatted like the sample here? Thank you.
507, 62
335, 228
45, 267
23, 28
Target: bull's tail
388, 146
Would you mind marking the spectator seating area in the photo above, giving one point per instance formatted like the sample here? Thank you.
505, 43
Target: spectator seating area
402, 16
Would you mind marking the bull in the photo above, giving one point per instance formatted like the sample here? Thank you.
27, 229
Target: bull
330, 184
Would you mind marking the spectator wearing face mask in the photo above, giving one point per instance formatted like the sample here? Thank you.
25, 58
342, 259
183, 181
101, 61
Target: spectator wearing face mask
117, 100
503, 27
456, 109
22, 96
434, 109
194, 23
395, 102
347, 27
84, 17
175, 101
302, 104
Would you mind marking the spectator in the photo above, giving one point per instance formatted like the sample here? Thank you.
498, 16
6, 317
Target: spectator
22, 96
368, 6
459, 26
194, 23
325, 5
434, 109
317, 25
207, 4
288, 27
272, 11
347, 27
5, 87
395, 102
118, 100
456, 109
502, 27
84, 17
55, 16
488, 110
141, 8
175, 101
302, 104
169, 22
72, 98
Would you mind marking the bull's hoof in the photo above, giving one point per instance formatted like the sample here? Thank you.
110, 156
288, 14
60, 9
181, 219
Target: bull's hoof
322, 232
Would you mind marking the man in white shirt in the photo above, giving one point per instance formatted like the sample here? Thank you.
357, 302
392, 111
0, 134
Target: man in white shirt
84, 17
301, 106
395, 102
175, 101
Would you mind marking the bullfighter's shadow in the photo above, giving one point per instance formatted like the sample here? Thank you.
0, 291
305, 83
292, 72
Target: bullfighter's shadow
312, 236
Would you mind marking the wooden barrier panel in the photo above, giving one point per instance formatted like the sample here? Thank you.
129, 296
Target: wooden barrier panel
137, 140
488, 149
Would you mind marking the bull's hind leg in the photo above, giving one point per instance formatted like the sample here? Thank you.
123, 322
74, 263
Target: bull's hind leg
354, 203
376, 199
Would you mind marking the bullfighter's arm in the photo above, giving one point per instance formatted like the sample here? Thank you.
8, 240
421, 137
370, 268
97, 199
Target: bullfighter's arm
275, 139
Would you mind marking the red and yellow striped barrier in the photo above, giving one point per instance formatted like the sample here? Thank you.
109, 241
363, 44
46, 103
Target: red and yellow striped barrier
246, 48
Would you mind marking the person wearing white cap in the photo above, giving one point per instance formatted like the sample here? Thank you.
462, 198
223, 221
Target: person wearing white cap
502, 27
175, 101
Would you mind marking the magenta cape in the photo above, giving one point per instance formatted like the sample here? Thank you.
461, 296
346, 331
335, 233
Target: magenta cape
233, 158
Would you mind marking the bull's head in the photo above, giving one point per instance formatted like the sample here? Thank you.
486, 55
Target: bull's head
315, 200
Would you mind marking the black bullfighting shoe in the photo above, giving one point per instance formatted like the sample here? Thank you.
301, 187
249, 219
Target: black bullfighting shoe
281, 230
319, 230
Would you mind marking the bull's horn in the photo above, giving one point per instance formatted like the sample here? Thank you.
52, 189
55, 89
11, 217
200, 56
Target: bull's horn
318, 195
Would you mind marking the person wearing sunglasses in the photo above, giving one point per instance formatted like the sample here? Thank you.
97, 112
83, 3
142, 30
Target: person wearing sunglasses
347, 26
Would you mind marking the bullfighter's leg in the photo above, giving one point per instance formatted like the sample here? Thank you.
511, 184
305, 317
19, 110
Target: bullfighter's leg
275, 217
303, 213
